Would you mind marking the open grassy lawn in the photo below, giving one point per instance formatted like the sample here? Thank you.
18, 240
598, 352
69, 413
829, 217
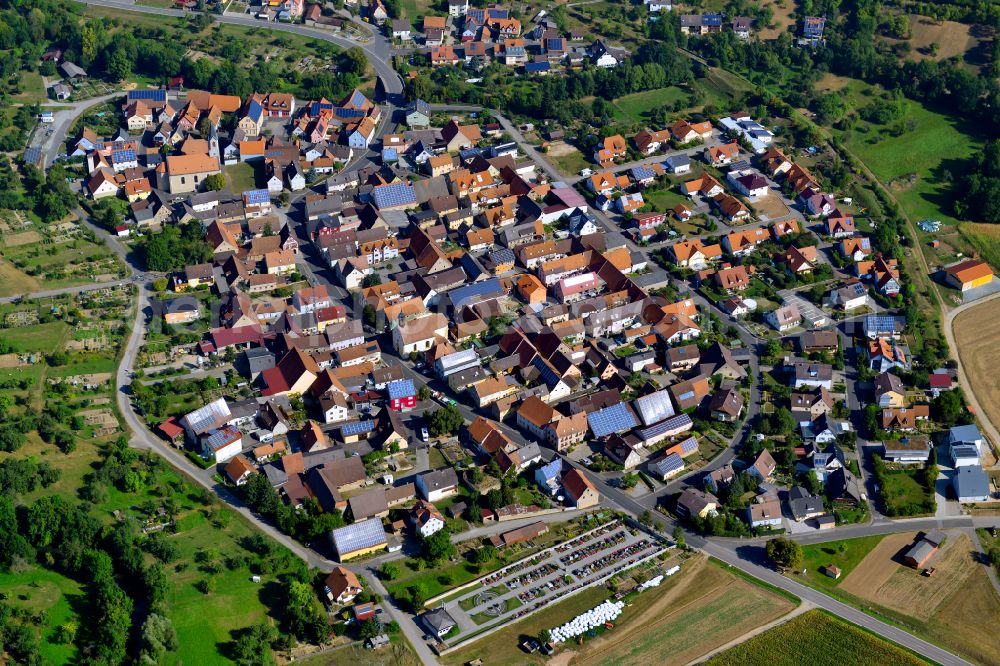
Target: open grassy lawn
844, 554
985, 238
902, 488
571, 161
42, 591
721, 87
664, 200
930, 148
399, 653
32, 88
242, 177
817, 639
635, 107
44, 338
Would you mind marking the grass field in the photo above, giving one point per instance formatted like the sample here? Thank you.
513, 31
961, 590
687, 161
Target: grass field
845, 555
32, 88
568, 159
665, 200
45, 338
633, 108
50, 594
953, 39
917, 164
976, 333
830, 642
985, 238
14, 282
679, 621
242, 177
902, 488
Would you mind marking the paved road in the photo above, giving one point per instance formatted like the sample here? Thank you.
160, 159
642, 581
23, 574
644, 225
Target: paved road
48, 293
55, 143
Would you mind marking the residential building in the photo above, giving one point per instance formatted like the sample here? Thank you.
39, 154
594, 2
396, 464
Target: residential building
580, 492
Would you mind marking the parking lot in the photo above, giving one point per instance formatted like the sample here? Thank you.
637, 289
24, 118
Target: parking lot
525, 586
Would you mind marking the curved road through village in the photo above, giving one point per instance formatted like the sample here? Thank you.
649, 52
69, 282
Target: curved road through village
746, 555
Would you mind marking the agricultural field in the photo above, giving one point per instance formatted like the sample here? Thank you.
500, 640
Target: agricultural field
935, 608
976, 332
915, 156
678, 622
830, 642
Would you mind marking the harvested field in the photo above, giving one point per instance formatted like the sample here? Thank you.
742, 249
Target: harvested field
953, 39
914, 594
878, 566
681, 623
976, 332
951, 625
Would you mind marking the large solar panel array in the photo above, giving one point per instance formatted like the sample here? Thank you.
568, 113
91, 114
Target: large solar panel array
666, 426
880, 323
256, 196
614, 419
119, 156
357, 428
206, 417
467, 293
366, 534
401, 388
396, 194
654, 407
146, 95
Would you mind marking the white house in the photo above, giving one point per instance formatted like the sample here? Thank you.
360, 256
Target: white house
437, 484
765, 514
420, 334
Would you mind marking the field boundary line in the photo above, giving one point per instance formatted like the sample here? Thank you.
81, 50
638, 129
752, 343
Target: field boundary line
803, 607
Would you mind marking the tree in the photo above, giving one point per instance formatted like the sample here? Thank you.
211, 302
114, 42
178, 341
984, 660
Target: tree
678, 535
160, 284
388, 571
785, 553
372, 280
253, 647
438, 547
215, 182
444, 421
158, 637
370, 629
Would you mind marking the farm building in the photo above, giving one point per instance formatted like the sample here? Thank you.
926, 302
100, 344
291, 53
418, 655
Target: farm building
971, 484
919, 554
968, 274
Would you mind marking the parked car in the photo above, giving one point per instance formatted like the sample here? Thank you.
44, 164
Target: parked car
424, 435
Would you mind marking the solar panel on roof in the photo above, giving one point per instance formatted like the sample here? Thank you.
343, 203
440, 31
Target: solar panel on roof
396, 194
689, 445
671, 463
614, 419
123, 155
359, 536
402, 388
155, 95
548, 374
674, 423
257, 196
357, 428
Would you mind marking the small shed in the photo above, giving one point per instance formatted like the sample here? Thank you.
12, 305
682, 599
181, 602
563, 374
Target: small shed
832, 571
